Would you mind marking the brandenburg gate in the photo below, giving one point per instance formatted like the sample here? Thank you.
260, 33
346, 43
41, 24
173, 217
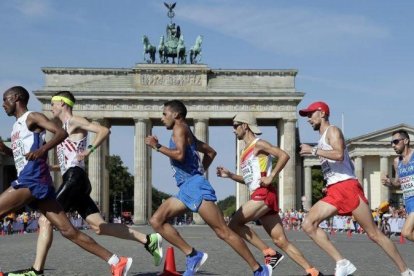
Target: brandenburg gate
135, 97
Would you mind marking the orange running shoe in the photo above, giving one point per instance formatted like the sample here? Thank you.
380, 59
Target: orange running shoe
122, 267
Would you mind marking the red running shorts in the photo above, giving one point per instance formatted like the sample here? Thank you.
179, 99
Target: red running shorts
345, 196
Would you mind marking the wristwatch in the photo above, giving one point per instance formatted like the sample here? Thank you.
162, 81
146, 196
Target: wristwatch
158, 146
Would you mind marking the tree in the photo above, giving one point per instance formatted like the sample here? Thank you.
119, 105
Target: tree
227, 205
122, 183
317, 184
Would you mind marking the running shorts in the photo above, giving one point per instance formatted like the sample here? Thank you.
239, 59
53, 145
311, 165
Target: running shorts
194, 190
268, 195
345, 195
74, 192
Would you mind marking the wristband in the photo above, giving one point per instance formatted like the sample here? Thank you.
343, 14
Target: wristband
91, 148
314, 150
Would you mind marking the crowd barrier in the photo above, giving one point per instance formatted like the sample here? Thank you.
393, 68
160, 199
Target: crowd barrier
341, 223
33, 225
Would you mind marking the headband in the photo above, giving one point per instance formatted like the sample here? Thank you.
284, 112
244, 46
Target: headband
63, 99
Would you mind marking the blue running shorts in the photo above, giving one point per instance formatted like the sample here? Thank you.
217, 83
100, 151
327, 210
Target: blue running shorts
409, 205
193, 191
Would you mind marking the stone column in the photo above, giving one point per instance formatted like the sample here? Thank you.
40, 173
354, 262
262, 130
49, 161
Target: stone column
287, 183
242, 192
384, 168
201, 132
141, 185
359, 173
308, 188
98, 173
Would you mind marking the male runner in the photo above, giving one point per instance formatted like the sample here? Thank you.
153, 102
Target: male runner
74, 193
195, 192
33, 184
344, 194
404, 177
257, 173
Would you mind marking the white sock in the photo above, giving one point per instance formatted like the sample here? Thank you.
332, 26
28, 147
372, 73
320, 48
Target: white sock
342, 262
113, 260
406, 273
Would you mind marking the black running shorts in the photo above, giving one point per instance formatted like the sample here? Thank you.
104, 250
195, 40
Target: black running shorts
74, 192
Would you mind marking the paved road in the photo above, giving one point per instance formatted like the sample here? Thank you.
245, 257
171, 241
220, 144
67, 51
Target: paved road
66, 259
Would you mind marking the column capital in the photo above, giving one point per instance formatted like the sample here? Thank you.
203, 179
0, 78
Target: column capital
202, 120
290, 120
141, 119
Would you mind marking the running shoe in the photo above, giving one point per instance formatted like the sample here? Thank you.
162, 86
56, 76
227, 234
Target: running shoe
345, 270
155, 247
122, 267
274, 260
266, 271
26, 272
194, 263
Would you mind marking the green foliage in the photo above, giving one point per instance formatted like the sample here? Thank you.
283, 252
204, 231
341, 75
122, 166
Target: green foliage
317, 184
227, 205
157, 198
122, 182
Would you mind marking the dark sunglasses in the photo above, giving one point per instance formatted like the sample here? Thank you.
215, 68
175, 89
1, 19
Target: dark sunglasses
237, 125
396, 141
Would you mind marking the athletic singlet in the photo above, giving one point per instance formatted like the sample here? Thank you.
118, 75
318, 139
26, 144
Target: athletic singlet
335, 171
406, 177
190, 166
24, 141
253, 167
68, 150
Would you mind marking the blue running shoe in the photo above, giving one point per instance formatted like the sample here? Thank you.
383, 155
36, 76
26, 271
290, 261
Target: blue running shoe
194, 263
266, 271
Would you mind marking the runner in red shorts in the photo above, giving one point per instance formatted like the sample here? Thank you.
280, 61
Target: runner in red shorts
258, 175
344, 193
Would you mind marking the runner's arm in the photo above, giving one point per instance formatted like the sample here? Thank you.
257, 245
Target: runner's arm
281, 155
208, 152
336, 140
101, 132
225, 173
36, 122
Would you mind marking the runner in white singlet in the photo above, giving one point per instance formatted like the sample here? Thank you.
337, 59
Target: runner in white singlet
344, 193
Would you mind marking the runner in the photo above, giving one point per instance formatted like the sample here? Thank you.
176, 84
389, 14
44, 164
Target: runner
257, 173
34, 184
74, 193
195, 192
344, 194
404, 178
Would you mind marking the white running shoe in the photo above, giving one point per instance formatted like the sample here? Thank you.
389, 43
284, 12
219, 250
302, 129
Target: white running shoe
345, 270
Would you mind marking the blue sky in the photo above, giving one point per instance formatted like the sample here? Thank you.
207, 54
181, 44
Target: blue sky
355, 55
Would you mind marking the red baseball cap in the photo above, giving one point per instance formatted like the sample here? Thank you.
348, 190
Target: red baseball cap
314, 107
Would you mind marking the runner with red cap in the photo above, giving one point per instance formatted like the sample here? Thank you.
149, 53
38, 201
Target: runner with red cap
344, 194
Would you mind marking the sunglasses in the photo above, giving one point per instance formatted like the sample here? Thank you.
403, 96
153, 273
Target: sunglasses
235, 126
396, 141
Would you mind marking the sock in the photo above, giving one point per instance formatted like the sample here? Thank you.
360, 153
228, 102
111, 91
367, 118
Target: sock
113, 260
269, 252
260, 269
342, 262
193, 253
406, 273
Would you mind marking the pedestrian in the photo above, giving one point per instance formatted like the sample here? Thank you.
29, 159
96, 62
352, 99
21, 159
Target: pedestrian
344, 195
